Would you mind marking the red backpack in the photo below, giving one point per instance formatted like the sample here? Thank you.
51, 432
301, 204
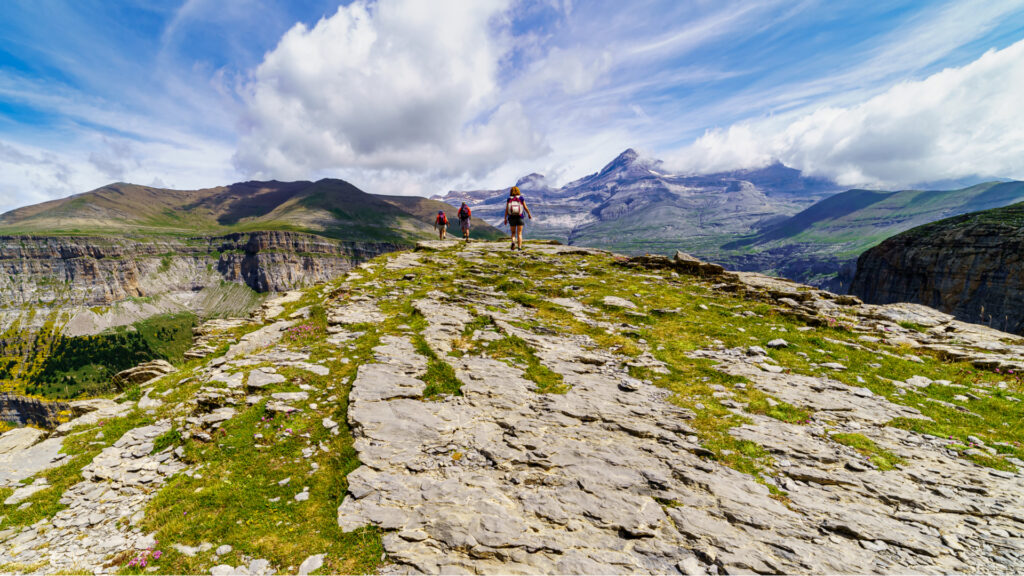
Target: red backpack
465, 212
441, 218
515, 206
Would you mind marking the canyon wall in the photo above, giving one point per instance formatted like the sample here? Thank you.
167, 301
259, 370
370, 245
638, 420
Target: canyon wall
971, 266
100, 270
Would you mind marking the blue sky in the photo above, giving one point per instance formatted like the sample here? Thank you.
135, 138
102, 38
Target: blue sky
411, 97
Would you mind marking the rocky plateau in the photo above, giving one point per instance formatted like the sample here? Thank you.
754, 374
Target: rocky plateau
463, 408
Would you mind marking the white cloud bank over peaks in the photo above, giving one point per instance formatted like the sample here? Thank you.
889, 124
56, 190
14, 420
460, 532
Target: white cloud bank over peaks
957, 123
387, 91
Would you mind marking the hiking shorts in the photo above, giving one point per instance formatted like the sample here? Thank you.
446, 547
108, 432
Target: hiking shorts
514, 220
464, 223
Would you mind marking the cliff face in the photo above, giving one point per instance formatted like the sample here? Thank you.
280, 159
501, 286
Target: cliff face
971, 266
103, 270
27, 410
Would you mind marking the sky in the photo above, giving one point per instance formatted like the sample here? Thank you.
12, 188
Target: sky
416, 97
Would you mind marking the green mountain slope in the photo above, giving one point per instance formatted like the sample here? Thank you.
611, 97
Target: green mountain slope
330, 208
819, 242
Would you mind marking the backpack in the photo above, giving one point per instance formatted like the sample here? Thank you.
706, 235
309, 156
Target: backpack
441, 218
464, 212
515, 207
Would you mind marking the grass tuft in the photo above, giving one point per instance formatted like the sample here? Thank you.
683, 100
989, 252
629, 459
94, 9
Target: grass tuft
880, 457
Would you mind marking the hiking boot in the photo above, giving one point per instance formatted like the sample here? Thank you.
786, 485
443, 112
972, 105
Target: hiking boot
513, 247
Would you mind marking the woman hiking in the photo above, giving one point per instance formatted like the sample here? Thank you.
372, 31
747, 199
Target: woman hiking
515, 207
465, 214
441, 223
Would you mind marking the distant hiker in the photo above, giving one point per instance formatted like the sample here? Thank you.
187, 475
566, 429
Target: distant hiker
464, 216
515, 207
441, 223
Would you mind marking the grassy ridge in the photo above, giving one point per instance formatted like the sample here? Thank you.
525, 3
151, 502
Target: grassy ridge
330, 208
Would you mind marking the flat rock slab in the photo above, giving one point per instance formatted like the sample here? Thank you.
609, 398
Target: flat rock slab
617, 302
357, 312
21, 461
19, 439
263, 377
258, 339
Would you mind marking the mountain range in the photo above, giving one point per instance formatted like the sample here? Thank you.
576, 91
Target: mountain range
772, 219
328, 208
632, 205
123, 253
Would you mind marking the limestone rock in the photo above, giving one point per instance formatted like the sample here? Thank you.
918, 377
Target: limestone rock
19, 439
144, 372
311, 564
617, 302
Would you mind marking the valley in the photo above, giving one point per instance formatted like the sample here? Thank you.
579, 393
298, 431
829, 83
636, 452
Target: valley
98, 282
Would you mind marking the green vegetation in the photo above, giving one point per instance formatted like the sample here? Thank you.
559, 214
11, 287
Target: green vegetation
236, 498
882, 459
165, 262
778, 410
312, 330
440, 376
912, 326
518, 353
80, 365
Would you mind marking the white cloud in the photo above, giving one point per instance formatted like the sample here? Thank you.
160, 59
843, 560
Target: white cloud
30, 174
114, 157
957, 123
402, 85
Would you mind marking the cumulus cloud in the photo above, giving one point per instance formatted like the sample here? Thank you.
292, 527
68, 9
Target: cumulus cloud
957, 123
399, 85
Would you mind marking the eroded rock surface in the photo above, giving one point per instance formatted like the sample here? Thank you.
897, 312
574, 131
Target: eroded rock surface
101, 510
609, 478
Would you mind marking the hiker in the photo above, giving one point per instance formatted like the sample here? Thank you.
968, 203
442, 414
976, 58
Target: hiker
441, 223
464, 215
515, 206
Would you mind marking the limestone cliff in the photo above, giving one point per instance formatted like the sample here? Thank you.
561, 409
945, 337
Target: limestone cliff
27, 410
99, 270
971, 266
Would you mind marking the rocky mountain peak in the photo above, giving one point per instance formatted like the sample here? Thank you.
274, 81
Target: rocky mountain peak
627, 156
533, 181
623, 162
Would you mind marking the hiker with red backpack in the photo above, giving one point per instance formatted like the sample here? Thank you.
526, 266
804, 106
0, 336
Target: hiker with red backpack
441, 223
515, 208
464, 216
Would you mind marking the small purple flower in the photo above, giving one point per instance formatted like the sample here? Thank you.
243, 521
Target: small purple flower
157, 555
